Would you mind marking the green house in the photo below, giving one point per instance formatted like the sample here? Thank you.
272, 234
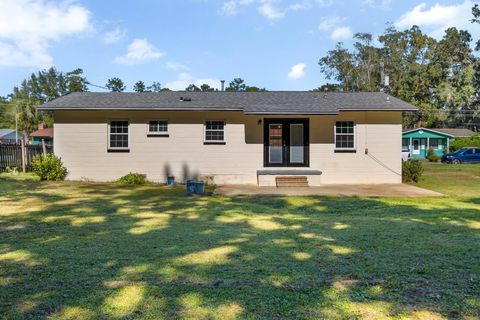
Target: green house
417, 141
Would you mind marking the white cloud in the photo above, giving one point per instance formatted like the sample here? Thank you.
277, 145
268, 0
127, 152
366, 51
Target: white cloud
437, 18
175, 66
341, 34
270, 12
297, 71
271, 9
28, 27
114, 36
378, 4
333, 24
328, 23
139, 51
185, 79
231, 7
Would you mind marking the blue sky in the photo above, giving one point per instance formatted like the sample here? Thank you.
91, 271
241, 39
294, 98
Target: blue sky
270, 43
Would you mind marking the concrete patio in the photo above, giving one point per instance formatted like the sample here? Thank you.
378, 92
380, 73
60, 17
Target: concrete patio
359, 190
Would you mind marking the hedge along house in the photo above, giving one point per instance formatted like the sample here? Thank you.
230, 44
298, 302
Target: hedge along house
417, 141
231, 137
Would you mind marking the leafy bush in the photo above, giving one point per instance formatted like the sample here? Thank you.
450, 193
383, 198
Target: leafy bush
49, 168
12, 170
458, 143
432, 156
132, 178
412, 170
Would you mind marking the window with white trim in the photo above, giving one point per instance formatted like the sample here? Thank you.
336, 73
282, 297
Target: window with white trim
158, 127
435, 143
345, 135
214, 131
405, 144
118, 134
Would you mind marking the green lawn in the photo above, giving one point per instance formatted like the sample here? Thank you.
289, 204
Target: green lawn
84, 250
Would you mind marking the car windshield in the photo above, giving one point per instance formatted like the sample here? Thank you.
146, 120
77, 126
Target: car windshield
460, 151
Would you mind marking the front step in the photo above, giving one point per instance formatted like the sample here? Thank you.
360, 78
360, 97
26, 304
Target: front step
291, 181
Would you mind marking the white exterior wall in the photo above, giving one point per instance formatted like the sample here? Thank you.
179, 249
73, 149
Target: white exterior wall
81, 140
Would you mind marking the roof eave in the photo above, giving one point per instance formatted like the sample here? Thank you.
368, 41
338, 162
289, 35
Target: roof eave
378, 109
133, 109
427, 129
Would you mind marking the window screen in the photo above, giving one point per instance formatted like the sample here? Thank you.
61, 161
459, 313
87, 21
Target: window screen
215, 131
434, 143
118, 134
345, 135
158, 126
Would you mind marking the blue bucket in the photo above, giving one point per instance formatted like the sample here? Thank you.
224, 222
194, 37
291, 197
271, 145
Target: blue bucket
190, 187
170, 181
199, 187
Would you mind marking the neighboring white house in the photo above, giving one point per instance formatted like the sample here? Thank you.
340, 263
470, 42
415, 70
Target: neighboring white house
231, 137
9, 136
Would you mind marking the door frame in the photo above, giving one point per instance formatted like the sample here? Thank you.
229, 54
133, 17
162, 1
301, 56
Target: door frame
286, 122
419, 146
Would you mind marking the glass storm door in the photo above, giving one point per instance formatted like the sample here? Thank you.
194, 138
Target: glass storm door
286, 143
416, 146
275, 143
297, 143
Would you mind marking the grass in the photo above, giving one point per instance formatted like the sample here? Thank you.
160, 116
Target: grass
84, 250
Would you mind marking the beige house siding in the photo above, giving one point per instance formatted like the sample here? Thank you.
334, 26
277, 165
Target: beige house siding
81, 140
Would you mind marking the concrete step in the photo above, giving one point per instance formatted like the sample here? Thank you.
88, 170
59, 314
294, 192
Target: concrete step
291, 181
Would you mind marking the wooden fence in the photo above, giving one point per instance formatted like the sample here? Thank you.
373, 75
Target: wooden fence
11, 156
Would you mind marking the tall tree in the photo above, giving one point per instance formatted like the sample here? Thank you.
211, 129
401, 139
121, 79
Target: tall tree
76, 82
436, 76
339, 65
115, 85
206, 88
456, 63
476, 13
139, 86
155, 87
27, 116
254, 89
237, 84
192, 88
7, 113
329, 87
368, 62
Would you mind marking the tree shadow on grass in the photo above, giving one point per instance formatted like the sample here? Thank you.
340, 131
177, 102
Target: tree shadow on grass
125, 252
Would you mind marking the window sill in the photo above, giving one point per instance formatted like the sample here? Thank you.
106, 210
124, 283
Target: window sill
345, 151
118, 150
158, 135
214, 142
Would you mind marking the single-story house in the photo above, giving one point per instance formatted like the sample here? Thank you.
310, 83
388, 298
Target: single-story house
231, 137
416, 142
43, 133
10, 136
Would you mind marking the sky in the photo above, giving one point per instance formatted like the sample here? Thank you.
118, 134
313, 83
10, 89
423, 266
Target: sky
274, 44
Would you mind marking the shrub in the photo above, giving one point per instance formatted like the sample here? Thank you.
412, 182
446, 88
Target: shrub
458, 143
12, 170
431, 156
132, 178
412, 170
49, 168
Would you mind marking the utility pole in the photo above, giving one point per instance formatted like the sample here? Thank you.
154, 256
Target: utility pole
16, 126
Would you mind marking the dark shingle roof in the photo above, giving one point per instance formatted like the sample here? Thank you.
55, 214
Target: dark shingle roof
271, 102
456, 132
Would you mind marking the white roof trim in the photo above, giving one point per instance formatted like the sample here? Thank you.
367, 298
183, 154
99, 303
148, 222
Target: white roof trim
431, 130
